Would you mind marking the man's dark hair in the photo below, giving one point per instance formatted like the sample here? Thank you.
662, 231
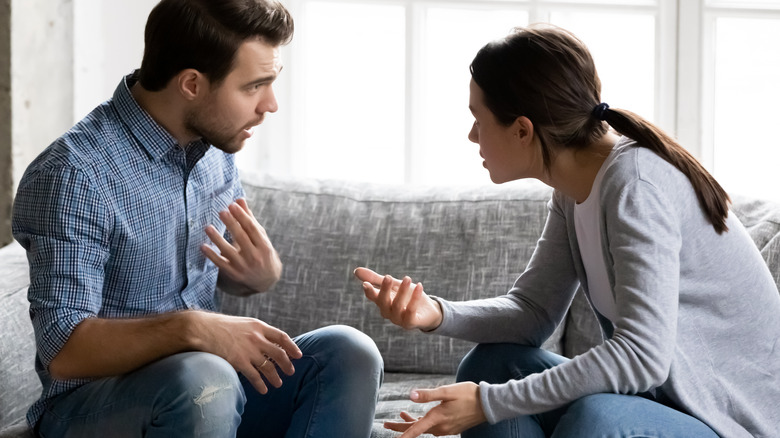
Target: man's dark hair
205, 35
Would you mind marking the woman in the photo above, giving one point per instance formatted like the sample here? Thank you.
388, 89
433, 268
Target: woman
687, 305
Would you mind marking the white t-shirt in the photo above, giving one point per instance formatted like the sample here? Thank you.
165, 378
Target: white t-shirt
586, 223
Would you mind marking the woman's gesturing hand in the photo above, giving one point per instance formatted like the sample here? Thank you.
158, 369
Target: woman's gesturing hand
460, 409
401, 301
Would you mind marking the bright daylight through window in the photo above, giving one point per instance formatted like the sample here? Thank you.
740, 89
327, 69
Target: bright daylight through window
378, 90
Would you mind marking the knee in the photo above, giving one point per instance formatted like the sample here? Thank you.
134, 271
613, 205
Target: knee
344, 346
497, 363
189, 371
592, 415
201, 387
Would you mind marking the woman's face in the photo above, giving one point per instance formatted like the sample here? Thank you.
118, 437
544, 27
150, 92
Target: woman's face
507, 150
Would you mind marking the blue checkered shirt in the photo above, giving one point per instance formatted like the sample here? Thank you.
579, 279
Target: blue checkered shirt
112, 216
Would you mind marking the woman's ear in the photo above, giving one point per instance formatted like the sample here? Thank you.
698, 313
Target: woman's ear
523, 129
190, 83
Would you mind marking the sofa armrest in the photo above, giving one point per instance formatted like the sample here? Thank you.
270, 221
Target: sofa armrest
19, 384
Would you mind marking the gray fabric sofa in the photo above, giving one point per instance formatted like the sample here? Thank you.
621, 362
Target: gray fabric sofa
461, 242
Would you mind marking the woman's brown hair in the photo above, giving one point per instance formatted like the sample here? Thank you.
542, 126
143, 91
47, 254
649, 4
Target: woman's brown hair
548, 75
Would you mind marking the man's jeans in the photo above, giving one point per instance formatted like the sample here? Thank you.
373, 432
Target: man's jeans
333, 393
598, 415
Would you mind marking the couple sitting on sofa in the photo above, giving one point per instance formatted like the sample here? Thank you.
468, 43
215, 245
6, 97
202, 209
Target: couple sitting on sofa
121, 217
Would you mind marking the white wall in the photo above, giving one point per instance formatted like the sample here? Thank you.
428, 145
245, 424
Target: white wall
108, 40
41, 77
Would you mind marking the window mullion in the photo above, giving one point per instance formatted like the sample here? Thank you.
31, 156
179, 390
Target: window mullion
689, 81
414, 20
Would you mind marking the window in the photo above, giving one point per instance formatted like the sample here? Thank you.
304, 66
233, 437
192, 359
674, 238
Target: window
377, 90
741, 66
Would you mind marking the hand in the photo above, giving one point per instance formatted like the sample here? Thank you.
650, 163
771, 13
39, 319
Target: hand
403, 303
251, 260
460, 409
251, 346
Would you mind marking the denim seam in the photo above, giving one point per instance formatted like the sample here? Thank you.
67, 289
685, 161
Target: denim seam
314, 412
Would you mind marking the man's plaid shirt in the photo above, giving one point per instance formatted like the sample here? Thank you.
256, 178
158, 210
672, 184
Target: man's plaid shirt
112, 216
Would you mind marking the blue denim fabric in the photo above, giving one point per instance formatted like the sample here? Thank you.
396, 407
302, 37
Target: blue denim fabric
598, 415
332, 393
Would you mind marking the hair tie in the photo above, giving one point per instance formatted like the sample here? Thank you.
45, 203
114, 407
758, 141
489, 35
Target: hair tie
600, 112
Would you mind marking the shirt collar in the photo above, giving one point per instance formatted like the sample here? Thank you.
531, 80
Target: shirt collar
153, 137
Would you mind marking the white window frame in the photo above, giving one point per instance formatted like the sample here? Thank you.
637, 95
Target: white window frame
696, 101
278, 148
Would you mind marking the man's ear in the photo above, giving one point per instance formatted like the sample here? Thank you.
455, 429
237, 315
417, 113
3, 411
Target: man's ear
191, 83
523, 129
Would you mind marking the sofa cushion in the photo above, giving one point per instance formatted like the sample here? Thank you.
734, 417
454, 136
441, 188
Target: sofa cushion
453, 240
19, 384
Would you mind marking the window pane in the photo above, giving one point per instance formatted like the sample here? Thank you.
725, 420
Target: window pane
353, 90
623, 48
747, 68
442, 153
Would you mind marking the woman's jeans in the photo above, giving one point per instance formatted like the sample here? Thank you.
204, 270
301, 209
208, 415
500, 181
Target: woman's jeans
598, 415
333, 393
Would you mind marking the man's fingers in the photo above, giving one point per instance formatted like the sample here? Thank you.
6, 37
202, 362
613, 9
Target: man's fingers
254, 378
281, 350
268, 368
242, 203
221, 262
227, 250
240, 225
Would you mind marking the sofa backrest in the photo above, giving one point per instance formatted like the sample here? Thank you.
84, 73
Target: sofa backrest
461, 243
761, 218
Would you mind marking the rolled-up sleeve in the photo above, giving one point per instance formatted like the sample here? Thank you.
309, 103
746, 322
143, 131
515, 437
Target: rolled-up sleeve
62, 222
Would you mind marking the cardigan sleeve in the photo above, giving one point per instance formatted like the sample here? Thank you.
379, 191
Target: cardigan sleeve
532, 309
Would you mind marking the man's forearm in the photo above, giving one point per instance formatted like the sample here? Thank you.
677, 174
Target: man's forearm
109, 347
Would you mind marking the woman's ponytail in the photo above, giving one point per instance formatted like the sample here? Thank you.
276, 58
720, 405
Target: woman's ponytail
713, 198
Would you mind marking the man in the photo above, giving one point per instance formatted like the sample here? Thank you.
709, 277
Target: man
132, 218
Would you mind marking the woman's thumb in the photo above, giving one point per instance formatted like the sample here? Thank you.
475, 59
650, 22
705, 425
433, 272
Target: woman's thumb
423, 395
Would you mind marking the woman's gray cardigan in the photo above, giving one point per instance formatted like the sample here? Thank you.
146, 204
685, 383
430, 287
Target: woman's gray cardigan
698, 312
